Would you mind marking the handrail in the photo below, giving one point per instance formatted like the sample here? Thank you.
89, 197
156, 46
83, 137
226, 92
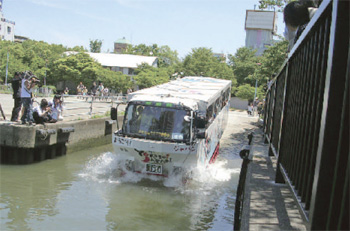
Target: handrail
307, 119
90, 103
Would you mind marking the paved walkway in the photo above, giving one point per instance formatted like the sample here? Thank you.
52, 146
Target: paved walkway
267, 205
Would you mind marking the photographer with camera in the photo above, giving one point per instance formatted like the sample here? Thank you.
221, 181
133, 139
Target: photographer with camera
28, 83
16, 87
42, 113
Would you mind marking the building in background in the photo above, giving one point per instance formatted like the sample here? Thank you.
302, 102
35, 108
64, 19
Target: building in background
120, 45
260, 27
20, 39
7, 27
123, 63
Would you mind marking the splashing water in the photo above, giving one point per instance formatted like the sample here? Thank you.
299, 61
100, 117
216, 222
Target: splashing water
109, 167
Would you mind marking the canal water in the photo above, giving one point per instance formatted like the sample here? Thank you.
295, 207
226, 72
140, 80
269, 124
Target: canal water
83, 191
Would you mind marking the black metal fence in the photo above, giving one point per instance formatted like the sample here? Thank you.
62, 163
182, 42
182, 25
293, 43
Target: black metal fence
307, 119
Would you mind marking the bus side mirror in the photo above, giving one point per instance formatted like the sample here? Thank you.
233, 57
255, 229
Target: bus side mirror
114, 113
200, 134
200, 122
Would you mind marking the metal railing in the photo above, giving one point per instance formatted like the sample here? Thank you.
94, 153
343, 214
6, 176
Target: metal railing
307, 119
89, 105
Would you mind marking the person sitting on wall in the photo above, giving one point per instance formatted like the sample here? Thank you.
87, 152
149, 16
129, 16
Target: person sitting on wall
42, 113
56, 108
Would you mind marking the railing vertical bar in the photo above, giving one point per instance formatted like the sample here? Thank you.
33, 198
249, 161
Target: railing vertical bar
299, 125
342, 157
298, 116
290, 117
302, 122
322, 66
311, 119
279, 176
331, 115
306, 116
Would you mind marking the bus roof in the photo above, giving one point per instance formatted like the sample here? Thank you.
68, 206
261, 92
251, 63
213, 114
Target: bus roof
194, 92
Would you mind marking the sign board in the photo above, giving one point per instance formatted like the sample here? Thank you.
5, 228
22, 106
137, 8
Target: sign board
260, 20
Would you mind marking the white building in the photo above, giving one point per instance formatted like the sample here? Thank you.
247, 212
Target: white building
7, 27
124, 63
260, 28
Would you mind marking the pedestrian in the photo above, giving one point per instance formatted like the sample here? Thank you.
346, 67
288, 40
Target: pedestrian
297, 15
27, 84
80, 88
93, 89
16, 87
66, 91
250, 109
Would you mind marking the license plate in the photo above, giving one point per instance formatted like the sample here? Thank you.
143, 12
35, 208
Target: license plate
154, 168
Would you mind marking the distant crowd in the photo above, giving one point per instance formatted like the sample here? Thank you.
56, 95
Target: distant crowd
98, 91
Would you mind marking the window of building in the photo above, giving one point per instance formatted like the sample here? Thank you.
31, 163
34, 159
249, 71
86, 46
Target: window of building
8, 29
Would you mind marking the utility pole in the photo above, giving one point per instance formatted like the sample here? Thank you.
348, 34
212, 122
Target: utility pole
7, 67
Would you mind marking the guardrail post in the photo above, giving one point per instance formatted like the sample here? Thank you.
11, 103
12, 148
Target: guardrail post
92, 99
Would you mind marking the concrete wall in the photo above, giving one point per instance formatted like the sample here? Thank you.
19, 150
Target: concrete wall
20, 144
239, 103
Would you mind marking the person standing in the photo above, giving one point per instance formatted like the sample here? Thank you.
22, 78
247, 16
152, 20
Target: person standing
255, 106
28, 83
93, 89
16, 87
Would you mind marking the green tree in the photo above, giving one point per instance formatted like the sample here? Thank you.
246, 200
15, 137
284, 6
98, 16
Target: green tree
245, 64
264, 4
114, 80
95, 46
199, 62
272, 60
247, 91
29, 55
166, 57
148, 76
77, 68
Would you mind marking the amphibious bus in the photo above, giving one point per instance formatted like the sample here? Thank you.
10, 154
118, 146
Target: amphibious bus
174, 126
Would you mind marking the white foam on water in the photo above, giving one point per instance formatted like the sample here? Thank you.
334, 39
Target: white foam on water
109, 167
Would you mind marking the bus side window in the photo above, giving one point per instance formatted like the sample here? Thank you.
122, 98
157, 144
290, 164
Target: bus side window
210, 113
217, 107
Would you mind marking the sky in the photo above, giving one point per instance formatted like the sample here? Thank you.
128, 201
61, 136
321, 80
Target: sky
179, 24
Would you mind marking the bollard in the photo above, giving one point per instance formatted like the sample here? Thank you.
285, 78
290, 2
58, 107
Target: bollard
66, 130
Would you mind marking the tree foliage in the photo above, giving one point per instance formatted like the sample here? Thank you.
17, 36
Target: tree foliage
244, 68
95, 46
202, 62
264, 4
245, 64
272, 60
29, 55
166, 56
150, 76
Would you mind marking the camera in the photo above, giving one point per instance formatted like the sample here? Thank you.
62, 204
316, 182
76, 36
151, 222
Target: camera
34, 79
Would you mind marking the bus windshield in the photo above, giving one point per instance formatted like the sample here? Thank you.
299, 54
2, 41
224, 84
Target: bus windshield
157, 123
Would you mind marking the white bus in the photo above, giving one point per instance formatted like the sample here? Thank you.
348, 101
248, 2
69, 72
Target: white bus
174, 126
